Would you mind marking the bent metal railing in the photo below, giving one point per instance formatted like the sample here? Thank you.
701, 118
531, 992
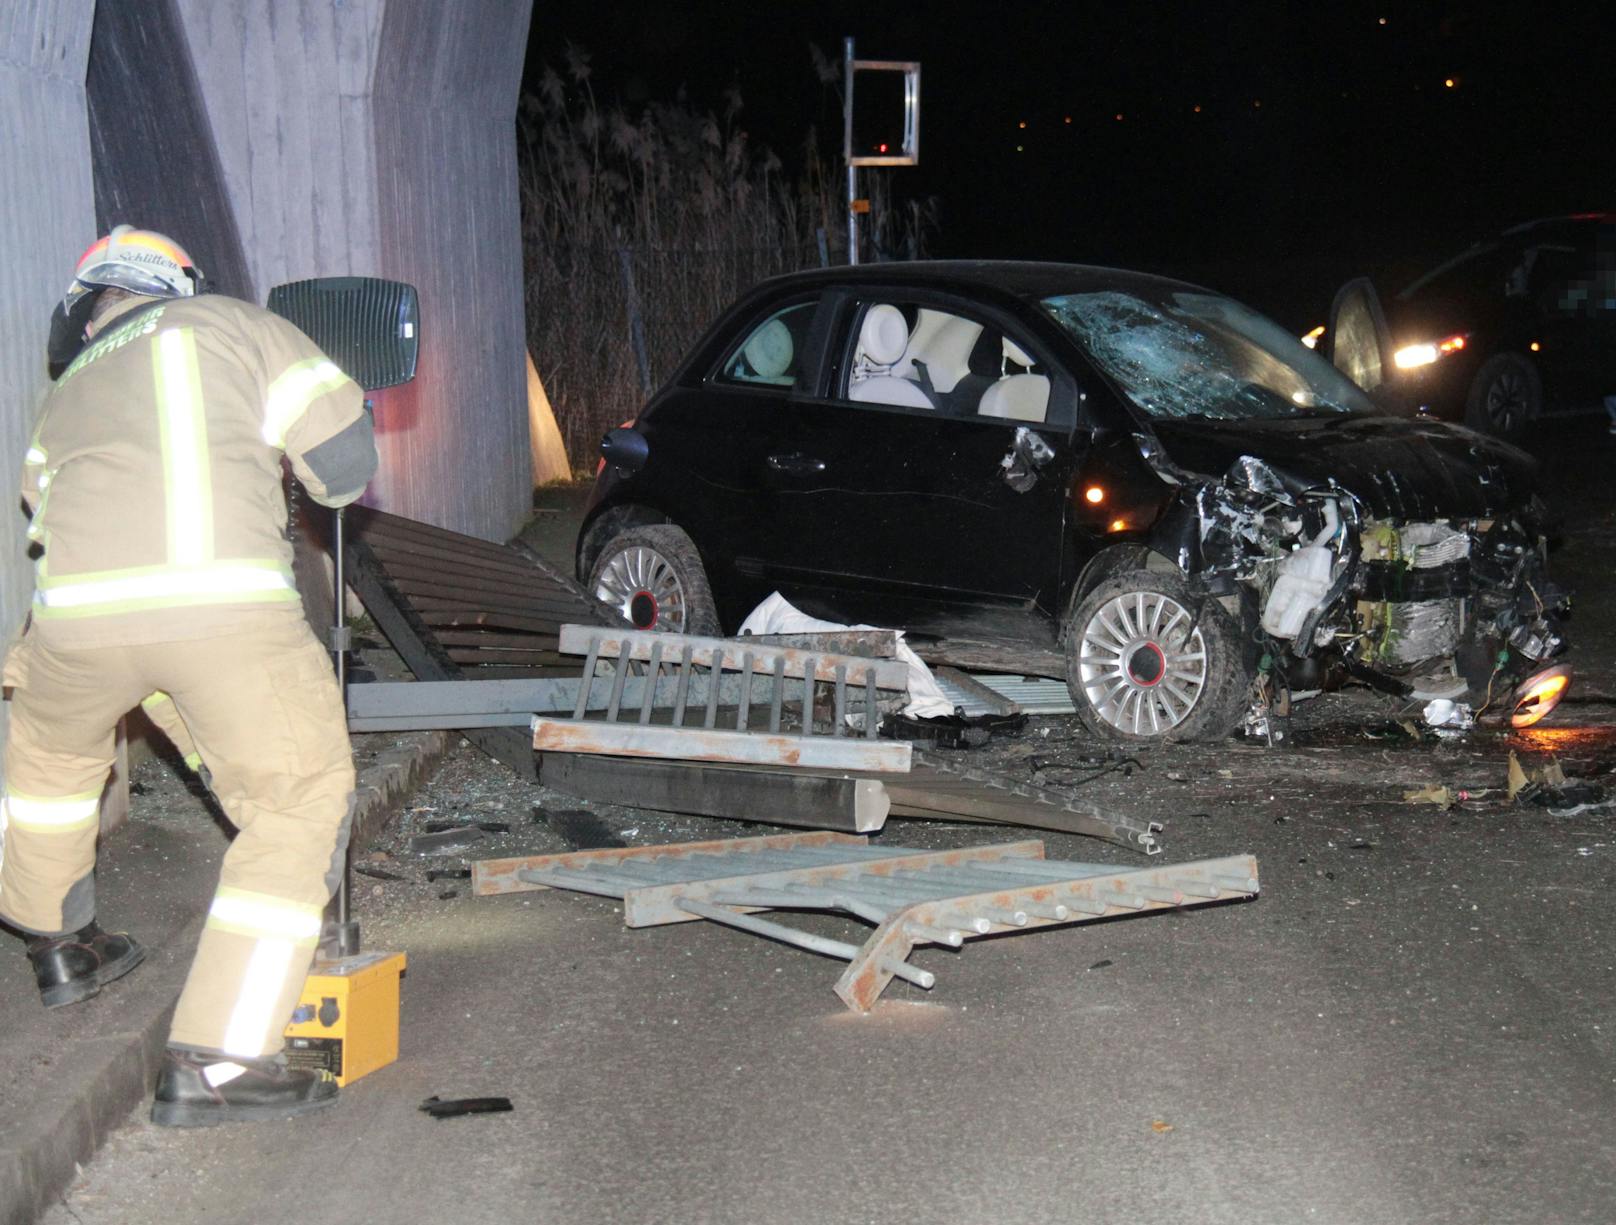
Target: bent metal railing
911, 896
774, 719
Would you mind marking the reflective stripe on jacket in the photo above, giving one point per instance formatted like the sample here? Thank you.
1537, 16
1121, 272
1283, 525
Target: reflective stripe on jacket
154, 475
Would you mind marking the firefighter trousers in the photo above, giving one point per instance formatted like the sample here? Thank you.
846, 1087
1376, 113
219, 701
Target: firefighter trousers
267, 721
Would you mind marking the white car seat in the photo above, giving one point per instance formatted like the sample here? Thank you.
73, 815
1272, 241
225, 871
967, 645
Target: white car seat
1020, 397
883, 339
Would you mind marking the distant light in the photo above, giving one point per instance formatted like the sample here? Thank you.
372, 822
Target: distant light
1068, 119
1022, 124
1535, 347
1449, 82
882, 147
1094, 495
1382, 21
1021, 148
1411, 356
1311, 340
1256, 102
1197, 108
1539, 694
1119, 116
1119, 525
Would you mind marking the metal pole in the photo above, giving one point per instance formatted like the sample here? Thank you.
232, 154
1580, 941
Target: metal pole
347, 930
847, 151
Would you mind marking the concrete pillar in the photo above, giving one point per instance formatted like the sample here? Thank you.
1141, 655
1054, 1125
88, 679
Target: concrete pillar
47, 217
377, 137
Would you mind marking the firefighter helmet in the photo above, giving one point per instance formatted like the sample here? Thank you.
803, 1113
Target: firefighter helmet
138, 261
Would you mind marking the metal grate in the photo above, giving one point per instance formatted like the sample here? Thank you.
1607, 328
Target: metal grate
774, 686
911, 896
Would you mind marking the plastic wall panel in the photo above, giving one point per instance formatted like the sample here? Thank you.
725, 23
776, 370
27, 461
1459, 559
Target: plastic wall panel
47, 217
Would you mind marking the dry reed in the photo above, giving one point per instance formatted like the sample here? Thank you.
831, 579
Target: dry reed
638, 230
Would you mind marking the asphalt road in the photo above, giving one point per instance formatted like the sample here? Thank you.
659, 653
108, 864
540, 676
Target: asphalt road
1412, 1024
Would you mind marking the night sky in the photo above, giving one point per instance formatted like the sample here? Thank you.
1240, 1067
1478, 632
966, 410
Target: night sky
1328, 140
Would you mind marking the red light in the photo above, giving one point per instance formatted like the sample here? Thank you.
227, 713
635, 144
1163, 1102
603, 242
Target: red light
882, 147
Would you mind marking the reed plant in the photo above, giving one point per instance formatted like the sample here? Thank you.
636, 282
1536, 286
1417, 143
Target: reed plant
639, 228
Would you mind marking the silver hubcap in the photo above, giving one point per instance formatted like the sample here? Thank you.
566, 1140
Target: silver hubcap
1140, 664
643, 585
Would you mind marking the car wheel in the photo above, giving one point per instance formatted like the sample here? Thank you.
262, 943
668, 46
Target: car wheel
1506, 396
654, 577
1146, 661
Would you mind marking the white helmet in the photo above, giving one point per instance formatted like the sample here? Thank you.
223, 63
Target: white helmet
140, 261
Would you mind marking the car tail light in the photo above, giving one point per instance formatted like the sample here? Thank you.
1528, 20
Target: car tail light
1538, 694
1411, 356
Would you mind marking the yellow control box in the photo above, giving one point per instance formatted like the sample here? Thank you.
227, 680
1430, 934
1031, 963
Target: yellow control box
347, 1019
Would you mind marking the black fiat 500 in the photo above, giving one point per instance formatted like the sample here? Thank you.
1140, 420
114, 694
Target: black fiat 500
1139, 485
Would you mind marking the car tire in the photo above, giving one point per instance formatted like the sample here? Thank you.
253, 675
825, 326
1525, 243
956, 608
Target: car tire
1505, 397
653, 576
1146, 661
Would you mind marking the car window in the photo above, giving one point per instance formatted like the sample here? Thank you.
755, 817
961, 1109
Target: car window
1192, 354
771, 354
913, 355
1482, 270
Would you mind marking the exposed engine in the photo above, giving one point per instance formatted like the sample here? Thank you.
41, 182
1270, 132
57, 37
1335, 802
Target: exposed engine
1412, 608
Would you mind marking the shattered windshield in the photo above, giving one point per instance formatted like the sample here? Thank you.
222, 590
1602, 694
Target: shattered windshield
1186, 353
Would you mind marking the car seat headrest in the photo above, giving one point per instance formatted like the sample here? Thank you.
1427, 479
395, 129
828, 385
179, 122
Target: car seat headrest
884, 336
1017, 354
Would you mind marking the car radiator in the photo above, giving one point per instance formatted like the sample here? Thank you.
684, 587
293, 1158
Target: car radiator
1415, 580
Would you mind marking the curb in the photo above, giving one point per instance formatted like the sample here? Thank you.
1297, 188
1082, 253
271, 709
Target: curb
123, 1067
34, 1175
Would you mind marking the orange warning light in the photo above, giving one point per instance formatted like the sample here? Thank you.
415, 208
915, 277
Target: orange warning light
1118, 525
1537, 695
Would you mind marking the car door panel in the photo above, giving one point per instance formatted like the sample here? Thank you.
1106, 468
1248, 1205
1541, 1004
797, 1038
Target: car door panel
896, 503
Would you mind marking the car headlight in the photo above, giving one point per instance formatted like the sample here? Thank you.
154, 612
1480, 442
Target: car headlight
1410, 357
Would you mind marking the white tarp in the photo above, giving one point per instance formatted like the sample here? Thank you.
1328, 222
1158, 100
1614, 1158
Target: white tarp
777, 615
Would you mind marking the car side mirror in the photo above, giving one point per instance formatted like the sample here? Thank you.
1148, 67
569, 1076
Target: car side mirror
625, 450
369, 327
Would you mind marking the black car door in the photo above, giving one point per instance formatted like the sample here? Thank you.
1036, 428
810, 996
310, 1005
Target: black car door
708, 446
901, 484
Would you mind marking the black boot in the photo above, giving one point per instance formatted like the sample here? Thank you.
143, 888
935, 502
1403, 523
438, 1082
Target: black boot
76, 966
201, 1090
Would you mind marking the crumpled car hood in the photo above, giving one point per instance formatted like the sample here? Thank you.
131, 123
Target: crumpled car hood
1397, 468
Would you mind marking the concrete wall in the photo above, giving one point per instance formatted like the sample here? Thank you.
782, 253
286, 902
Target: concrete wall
376, 137
445, 96
153, 155
46, 218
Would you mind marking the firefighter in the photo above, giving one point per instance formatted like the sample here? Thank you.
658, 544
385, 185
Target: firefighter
164, 571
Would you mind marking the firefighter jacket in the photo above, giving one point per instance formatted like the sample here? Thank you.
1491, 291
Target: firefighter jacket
154, 475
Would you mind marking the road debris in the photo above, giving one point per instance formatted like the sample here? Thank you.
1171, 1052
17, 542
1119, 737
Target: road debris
446, 840
365, 869
1449, 719
453, 1108
581, 829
